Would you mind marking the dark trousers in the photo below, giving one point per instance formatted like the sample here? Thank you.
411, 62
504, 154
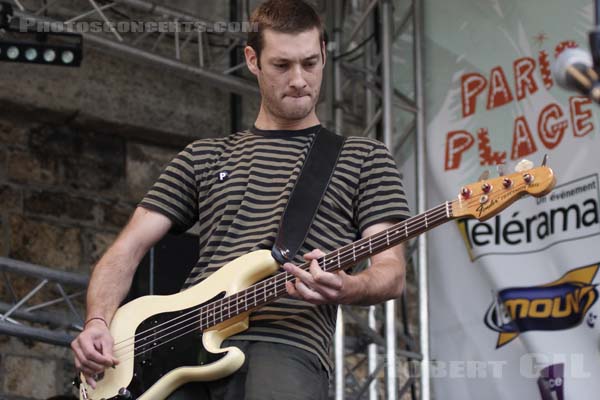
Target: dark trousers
270, 371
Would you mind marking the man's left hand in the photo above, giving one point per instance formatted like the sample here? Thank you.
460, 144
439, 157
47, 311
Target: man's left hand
317, 286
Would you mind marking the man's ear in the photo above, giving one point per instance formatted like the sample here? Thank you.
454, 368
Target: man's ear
251, 60
324, 52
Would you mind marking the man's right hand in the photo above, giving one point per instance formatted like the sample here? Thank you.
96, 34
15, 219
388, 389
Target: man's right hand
93, 350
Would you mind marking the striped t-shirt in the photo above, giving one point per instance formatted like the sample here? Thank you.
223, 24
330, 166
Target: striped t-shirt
237, 188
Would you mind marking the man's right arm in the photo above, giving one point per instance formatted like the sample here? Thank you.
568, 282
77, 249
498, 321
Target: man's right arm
109, 284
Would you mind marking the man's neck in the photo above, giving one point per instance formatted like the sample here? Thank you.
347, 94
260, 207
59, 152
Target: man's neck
266, 121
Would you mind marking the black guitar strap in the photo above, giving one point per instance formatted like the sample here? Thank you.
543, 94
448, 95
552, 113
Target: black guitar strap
307, 195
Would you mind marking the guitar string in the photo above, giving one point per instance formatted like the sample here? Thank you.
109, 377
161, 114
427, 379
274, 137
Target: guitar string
445, 207
205, 316
434, 213
198, 309
208, 313
410, 223
278, 291
229, 301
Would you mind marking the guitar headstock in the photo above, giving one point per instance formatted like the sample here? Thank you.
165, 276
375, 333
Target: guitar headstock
486, 198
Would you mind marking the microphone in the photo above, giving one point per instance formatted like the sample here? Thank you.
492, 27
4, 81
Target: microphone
573, 70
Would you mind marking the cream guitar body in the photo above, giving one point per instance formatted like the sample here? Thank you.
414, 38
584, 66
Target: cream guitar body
159, 341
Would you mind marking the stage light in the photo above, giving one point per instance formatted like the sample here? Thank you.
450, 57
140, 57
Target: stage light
49, 55
12, 53
33, 47
31, 54
50, 51
67, 57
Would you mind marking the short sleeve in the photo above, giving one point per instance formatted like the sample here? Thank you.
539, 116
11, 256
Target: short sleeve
380, 194
175, 193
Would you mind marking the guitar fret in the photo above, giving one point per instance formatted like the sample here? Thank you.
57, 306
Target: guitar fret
353, 252
220, 310
270, 292
275, 283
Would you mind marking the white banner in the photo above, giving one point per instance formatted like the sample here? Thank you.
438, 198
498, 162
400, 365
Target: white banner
513, 300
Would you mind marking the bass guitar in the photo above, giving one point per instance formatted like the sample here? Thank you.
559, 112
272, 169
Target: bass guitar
163, 342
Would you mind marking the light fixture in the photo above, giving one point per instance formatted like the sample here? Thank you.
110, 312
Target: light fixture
49, 55
47, 48
12, 52
67, 57
31, 54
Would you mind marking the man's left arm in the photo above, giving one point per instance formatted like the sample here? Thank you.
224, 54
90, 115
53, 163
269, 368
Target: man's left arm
383, 280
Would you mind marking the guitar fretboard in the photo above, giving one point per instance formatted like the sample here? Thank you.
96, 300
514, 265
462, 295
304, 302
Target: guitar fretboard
272, 288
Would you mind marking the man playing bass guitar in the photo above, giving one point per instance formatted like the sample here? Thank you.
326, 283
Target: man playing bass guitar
236, 188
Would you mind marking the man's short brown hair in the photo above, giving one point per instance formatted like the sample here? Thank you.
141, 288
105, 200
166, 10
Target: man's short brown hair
285, 16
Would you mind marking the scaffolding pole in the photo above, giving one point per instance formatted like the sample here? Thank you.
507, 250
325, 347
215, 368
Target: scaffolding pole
339, 120
388, 129
423, 280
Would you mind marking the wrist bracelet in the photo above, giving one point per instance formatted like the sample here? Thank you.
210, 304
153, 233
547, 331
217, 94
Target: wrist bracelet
93, 318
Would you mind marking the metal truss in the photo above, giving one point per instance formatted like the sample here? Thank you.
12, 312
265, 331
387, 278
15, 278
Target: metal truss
376, 354
51, 311
176, 41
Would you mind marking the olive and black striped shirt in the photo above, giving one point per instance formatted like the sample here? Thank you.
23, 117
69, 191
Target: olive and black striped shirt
237, 188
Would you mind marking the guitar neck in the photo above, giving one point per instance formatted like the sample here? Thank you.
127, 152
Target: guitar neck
271, 289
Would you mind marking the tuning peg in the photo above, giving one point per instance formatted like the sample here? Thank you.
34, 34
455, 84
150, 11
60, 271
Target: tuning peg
484, 175
500, 169
523, 165
545, 160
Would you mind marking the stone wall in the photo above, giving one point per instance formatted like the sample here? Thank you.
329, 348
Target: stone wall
64, 195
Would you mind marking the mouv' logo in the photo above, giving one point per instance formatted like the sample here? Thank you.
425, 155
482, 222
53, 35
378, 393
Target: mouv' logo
557, 305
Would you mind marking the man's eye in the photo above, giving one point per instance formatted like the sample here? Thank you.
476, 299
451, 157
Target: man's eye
280, 65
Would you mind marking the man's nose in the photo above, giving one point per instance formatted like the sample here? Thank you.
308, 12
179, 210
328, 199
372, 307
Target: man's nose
297, 77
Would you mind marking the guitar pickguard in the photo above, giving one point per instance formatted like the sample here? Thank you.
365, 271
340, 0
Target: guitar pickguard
160, 349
